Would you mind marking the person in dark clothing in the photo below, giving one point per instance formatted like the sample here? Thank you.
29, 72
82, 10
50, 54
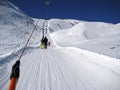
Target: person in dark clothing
42, 40
15, 70
45, 42
42, 45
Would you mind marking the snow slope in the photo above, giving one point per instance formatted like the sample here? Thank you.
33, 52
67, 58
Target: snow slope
58, 24
94, 36
64, 69
58, 68
13, 28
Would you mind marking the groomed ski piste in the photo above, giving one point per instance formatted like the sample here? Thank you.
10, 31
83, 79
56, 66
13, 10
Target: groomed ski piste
62, 68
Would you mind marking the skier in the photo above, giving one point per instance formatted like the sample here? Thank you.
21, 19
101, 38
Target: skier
49, 43
14, 75
42, 45
45, 42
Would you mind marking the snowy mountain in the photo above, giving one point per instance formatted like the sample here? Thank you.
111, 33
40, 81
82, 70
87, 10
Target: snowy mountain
82, 55
58, 24
100, 37
12, 26
14, 30
10, 14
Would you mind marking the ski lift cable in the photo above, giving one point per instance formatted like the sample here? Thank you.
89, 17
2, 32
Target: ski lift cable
47, 3
15, 69
46, 17
28, 40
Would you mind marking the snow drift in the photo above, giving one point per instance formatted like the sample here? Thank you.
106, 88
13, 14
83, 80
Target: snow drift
94, 36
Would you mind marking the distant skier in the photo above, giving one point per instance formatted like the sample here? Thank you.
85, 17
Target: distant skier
49, 43
45, 42
42, 40
14, 75
42, 45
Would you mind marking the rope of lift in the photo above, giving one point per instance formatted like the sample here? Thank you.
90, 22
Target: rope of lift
46, 17
14, 76
28, 41
16, 67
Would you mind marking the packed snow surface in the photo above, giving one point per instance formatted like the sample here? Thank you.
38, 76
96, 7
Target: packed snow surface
64, 69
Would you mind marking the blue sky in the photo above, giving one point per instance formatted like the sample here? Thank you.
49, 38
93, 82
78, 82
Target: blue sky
87, 10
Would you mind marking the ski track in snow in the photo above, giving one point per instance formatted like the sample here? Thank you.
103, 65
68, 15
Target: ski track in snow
63, 69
